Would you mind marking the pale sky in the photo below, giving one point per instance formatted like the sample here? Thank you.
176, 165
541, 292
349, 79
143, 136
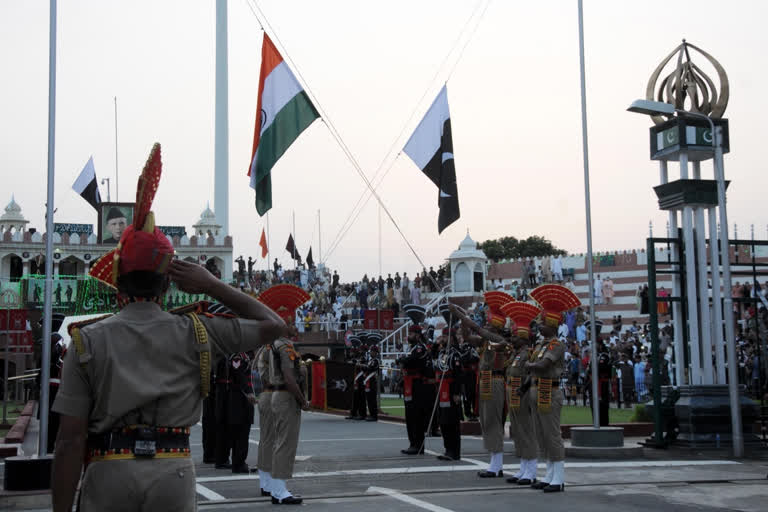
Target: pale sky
514, 98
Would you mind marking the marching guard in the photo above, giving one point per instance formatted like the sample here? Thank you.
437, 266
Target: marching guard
240, 409
448, 377
371, 383
288, 399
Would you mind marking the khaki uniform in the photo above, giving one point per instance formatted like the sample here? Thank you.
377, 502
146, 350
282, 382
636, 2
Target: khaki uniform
522, 426
492, 396
266, 419
143, 366
285, 409
547, 415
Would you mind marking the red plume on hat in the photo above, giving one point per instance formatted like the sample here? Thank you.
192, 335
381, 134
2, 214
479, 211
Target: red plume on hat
495, 300
522, 314
554, 299
143, 246
284, 299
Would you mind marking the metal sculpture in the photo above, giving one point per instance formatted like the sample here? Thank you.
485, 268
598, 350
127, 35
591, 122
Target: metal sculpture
688, 81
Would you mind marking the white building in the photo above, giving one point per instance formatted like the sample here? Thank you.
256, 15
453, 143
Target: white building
468, 269
22, 250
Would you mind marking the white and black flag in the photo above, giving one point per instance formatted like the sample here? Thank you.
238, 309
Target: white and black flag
87, 186
431, 148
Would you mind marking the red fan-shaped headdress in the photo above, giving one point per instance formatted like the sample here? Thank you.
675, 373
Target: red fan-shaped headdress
554, 299
495, 300
522, 314
143, 246
284, 299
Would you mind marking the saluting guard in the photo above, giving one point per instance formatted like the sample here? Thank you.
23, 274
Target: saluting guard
546, 367
522, 427
494, 350
133, 383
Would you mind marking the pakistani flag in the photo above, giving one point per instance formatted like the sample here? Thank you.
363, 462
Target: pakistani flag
87, 186
431, 148
283, 111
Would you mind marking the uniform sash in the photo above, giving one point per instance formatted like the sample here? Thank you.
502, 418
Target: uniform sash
544, 401
486, 392
513, 398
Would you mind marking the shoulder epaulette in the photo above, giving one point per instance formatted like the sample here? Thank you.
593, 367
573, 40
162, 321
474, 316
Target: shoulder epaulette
195, 307
77, 340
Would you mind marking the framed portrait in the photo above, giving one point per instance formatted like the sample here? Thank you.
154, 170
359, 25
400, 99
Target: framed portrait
113, 219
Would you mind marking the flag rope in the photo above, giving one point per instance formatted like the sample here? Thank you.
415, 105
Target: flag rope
346, 225
329, 123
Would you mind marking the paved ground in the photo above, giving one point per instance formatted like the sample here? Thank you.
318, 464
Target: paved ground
348, 465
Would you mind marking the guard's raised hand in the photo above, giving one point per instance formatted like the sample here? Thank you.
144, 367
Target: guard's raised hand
191, 277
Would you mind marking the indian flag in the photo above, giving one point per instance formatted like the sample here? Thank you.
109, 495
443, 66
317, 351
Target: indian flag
283, 111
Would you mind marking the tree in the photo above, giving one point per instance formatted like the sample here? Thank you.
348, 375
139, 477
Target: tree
509, 247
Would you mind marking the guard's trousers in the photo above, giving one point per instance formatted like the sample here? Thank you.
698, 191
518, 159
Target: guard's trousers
209, 429
492, 417
548, 425
523, 429
287, 421
139, 485
266, 431
238, 433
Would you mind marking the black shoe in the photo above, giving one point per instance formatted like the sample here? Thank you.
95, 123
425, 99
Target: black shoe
241, 469
371, 419
448, 456
349, 417
265, 493
513, 480
539, 485
209, 461
411, 450
490, 474
526, 481
290, 500
359, 418
226, 465
554, 488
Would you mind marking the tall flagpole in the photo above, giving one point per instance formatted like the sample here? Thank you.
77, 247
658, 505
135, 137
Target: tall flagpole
117, 181
269, 246
590, 273
293, 254
45, 365
319, 239
379, 240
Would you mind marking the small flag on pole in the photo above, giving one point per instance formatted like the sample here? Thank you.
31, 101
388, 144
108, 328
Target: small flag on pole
291, 248
263, 244
283, 111
310, 260
87, 186
431, 148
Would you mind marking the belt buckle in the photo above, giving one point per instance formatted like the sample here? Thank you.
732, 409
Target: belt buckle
145, 444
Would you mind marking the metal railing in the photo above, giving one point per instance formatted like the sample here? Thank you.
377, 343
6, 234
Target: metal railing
395, 344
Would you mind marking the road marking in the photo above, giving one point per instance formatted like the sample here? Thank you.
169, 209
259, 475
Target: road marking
471, 461
208, 494
407, 499
473, 467
253, 442
302, 458
352, 439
